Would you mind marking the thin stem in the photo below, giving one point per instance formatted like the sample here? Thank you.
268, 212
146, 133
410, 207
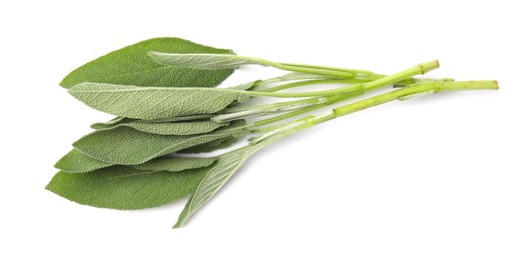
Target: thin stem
405, 74
355, 71
427, 88
311, 82
362, 88
281, 131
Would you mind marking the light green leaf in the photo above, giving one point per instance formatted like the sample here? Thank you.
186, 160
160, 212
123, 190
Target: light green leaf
178, 128
204, 61
76, 162
122, 187
155, 103
215, 178
175, 164
132, 66
127, 146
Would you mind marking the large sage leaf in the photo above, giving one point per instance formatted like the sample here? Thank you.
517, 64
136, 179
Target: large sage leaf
122, 187
214, 179
178, 128
126, 146
155, 103
132, 66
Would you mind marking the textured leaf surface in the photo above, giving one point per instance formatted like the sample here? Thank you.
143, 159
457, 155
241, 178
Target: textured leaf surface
178, 128
215, 178
122, 187
203, 61
75, 162
132, 66
175, 164
127, 146
155, 103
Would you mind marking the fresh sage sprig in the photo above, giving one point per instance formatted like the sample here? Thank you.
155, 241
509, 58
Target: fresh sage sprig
169, 110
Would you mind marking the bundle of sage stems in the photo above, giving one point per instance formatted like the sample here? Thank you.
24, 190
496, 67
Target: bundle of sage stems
170, 115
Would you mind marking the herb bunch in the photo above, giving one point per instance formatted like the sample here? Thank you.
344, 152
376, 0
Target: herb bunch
169, 111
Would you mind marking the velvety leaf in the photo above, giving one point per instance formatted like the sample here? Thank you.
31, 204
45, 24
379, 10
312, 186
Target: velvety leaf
122, 187
75, 162
155, 103
214, 179
178, 128
126, 146
132, 66
203, 61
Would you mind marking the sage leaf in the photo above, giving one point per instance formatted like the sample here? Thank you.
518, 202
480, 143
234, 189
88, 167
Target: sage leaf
76, 162
178, 128
126, 188
203, 61
132, 66
155, 103
215, 178
175, 164
126, 146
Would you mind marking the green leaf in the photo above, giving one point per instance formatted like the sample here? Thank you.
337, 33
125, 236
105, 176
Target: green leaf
203, 61
215, 178
122, 187
132, 66
155, 103
178, 128
175, 164
123, 120
126, 146
76, 162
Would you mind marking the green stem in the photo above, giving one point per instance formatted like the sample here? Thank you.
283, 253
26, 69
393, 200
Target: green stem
311, 82
405, 74
276, 133
365, 87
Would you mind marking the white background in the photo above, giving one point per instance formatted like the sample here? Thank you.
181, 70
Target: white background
439, 177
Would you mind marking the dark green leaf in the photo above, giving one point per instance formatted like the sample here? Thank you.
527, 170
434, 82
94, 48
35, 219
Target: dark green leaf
132, 66
122, 187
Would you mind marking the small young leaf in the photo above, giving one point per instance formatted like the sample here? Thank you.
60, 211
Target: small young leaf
203, 61
178, 128
122, 187
75, 162
155, 103
175, 164
132, 66
215, 178
127, 146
